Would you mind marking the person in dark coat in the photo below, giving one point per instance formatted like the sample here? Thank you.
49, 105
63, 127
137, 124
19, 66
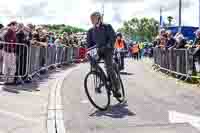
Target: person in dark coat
170, 40
104, 37
21, 53
180, 42
9, 58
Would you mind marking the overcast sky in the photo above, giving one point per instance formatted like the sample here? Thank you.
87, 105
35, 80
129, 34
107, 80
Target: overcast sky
77, 12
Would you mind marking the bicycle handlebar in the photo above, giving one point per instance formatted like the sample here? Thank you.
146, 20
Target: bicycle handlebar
91, 48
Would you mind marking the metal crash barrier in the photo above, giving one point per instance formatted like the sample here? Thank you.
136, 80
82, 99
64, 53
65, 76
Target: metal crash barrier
21, 61
13, 61
177, 61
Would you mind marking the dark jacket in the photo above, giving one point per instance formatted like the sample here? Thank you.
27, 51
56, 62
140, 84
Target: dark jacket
181, 44
103, 36
21, 37
170, 43
10, 37
196, 52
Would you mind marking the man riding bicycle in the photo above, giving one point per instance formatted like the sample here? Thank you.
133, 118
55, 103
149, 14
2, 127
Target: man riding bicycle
104, 37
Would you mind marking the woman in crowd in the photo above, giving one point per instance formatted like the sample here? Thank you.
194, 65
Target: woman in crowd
163, 41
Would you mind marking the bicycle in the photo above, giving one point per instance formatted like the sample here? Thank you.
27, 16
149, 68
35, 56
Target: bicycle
101, 81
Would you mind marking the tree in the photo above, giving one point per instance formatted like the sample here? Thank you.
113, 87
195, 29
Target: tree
60, 28
170, 18
145, 29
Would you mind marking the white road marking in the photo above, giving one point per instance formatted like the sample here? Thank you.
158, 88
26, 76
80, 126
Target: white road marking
55, 104
84, 101
51, 126
176, 117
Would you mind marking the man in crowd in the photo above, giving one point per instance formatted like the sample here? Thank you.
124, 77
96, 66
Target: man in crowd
180, 41
9, 60
21, 53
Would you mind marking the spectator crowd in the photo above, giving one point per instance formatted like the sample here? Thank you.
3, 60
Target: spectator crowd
166, 41
15, 34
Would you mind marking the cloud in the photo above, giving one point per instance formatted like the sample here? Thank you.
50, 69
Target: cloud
169, 5
116, 1
77, 12
33, 9
6, 12
117, 16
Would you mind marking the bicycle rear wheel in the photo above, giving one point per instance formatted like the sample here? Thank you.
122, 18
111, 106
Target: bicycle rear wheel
121, 86
96, 91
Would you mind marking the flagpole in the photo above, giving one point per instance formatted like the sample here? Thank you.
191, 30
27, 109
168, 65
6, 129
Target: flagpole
180, 15
199, 13
103, 6
161, 19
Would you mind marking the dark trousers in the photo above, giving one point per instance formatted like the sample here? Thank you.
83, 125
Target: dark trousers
136, 56
21, 62
122, 61
107, 55
196, 58
42, 56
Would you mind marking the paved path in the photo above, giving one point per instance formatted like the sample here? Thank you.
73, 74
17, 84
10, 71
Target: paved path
153, 102
23, 109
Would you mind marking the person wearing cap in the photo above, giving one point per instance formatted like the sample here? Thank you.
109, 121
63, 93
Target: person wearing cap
103, 36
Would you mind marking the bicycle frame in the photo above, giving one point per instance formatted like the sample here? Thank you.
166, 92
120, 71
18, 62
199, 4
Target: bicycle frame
94, 66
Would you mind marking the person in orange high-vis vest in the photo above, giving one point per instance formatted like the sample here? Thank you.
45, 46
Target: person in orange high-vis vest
135, 51
120, 44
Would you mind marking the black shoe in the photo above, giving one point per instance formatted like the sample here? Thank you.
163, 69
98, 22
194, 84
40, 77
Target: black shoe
117, 94
18, 82
10, 83
27, 81
98, 90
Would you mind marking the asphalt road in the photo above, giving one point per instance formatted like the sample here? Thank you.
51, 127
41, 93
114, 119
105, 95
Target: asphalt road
155, 104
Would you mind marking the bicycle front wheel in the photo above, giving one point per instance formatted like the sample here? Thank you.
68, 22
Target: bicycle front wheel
96, 91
